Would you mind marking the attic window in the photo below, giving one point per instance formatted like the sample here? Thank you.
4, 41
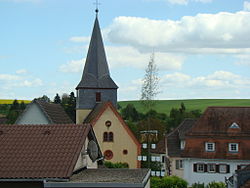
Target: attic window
234, 126
98, 96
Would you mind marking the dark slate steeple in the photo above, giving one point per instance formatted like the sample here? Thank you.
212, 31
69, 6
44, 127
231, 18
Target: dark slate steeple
96, 71
96, 84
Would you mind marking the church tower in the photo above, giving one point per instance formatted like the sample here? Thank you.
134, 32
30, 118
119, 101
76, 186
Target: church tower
96, 85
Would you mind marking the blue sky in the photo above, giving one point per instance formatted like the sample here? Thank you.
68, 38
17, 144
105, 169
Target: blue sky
202, 47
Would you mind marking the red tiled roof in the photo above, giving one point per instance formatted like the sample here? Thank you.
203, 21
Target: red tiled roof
174, 138
217, 120
214, 126
40, 151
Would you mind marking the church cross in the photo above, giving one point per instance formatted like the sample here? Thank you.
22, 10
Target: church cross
97, 3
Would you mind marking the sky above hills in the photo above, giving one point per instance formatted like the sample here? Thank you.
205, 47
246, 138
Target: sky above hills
202, 47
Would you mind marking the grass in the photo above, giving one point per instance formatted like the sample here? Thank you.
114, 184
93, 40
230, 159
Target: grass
10, 101
164, 106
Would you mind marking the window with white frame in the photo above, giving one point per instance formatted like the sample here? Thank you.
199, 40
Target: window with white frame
223, 168
211, 168
200, 167
210, 146
183, 143
233, 147
179, 164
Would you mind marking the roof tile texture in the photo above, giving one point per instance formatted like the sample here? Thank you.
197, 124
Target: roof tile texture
40, 151
54, 112
214, 126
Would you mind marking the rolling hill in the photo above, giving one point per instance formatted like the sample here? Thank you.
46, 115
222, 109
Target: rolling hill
164, 106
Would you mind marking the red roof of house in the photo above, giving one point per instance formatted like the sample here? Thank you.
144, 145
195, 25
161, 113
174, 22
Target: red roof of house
216, 126
217, 120
40, 151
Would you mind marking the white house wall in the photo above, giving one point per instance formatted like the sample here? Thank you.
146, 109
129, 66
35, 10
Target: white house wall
33, 115
206, 177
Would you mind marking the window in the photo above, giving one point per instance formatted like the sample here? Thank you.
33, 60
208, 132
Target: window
223, 168
105, 137
211, 168
210, 146
233, 147
200, 167
98, 96
108, 137
108, 123
179, 164
234, 126
108, 154
183, 143
125, 152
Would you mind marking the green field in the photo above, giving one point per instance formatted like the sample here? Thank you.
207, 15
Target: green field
10, 101
164, 106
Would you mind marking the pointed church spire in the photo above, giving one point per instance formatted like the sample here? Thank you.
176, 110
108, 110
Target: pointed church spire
96, 71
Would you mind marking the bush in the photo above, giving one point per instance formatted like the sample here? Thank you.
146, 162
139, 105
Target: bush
198, 185
210, 185
115, 165
216, 185
168, 182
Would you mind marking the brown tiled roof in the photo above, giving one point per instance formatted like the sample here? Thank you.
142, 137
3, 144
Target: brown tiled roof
54, 112
173, 138
160, 147
217, 120
40, 151
214, 126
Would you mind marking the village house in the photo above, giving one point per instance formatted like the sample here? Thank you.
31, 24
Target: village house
217, 145
42, 112
96, 104
58, 155
175, 144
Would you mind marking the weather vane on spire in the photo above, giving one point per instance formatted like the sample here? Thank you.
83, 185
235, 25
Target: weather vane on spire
97, 3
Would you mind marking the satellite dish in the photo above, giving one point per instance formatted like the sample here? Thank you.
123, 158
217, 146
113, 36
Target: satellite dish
92, 150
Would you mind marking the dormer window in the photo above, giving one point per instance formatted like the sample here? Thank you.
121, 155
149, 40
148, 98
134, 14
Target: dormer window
183, 143
98, 96
233, 147
210, 146
234, 126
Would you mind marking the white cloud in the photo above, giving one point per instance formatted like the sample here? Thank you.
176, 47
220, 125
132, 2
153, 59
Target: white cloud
73, 66
246, 6
79, 39
8, 77
22, 71
180, 2
125, 56
217, 80
184, 2
30, 83
243, 59
203, 33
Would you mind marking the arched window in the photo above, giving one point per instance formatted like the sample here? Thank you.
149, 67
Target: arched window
111, 137
105, 137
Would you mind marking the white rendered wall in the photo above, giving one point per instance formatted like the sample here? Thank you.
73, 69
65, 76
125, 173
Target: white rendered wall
33, 115
206, 177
